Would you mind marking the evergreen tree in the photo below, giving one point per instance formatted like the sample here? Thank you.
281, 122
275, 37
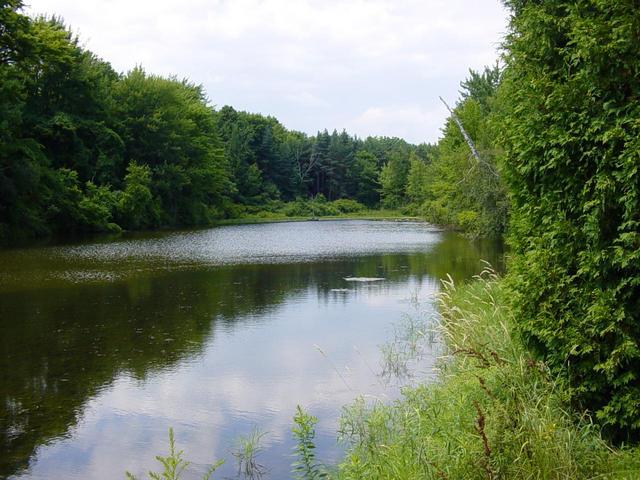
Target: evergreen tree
571, 132
393, 180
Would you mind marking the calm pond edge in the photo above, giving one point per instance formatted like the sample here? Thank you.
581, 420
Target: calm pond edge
494, 411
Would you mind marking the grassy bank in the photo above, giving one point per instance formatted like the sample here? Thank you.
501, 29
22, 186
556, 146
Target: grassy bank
494, 412
317, 208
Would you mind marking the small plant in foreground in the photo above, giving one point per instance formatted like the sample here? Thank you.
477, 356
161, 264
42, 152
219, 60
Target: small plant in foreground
305, 467
248, 449
174, 464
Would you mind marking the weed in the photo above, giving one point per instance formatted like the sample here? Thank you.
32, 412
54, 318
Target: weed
305, 467
246, 455
173, 465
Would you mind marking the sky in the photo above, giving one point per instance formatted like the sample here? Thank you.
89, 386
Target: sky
372, 67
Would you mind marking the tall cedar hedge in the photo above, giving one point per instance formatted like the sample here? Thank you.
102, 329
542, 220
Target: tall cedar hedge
572, 135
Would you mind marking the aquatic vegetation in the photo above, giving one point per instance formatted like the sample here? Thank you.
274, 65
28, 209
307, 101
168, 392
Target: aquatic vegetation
174, 465
246, 455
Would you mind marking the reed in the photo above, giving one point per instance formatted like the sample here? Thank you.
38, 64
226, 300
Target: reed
246, 453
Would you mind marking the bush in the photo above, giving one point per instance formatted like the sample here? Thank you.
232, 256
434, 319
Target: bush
572, 138
435, 212
315, 207
345, 205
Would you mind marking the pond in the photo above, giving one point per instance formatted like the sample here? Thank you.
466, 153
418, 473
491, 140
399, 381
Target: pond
215, 333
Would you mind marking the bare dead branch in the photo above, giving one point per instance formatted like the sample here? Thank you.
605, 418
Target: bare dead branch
467, 139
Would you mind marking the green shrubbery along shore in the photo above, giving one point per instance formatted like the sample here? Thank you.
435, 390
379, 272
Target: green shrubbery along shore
571, 132
495, 411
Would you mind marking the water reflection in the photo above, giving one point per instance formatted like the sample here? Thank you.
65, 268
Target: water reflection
96, 366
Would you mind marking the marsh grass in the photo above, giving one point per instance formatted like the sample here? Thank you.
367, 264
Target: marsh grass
412, 338
493, 413
246, 453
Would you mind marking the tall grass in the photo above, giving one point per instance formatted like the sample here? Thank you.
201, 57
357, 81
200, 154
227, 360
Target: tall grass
246, 453
412, 338
493, 413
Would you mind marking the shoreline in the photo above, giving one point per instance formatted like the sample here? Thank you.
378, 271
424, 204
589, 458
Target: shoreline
370, 215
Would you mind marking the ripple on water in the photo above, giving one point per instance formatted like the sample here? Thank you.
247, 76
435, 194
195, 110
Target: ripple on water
264, 243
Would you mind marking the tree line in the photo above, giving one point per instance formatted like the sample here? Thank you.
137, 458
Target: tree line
86, 149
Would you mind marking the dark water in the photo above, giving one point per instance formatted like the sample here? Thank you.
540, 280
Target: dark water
106, 345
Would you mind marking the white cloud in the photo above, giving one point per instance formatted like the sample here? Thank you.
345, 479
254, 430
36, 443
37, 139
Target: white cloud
405, 122
313, 64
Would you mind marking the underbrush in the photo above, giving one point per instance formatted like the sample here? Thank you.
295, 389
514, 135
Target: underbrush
318, 206
315, 207
493, 413
300, 209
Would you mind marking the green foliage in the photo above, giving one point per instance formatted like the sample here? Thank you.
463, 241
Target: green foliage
246, 455
320, 207
365, 177
571, 133
97, 207
70, 127
137, 207
417, 180
345, 205
72, 130
482, 87
293, 165
305, 467
494, 412
393, 180
167, 126
173, 465
454, 188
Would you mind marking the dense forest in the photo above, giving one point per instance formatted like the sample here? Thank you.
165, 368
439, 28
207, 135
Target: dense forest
84, 148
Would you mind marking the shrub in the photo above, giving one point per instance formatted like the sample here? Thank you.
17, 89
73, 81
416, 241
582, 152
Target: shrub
572, 137
345, 205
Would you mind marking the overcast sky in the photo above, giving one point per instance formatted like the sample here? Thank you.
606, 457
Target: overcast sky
372, 67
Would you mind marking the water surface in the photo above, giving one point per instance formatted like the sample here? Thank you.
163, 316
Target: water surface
105, 345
